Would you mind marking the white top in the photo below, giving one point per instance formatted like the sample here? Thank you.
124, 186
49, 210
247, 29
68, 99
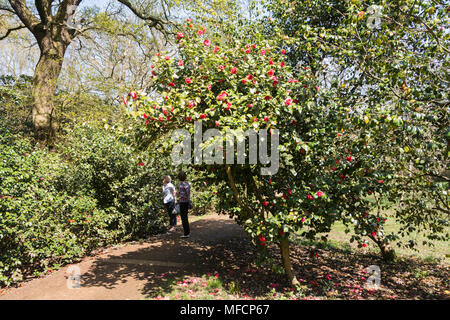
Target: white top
168, 197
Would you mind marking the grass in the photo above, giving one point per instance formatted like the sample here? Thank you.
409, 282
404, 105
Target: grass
438, 252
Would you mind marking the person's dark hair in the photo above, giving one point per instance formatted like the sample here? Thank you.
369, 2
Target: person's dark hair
182, 176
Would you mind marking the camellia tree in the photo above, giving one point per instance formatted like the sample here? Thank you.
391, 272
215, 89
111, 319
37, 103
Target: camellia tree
386, 62
241, 82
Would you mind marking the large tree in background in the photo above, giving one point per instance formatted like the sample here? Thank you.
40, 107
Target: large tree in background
49, 22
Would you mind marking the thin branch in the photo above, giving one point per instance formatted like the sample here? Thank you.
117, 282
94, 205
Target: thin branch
12, 30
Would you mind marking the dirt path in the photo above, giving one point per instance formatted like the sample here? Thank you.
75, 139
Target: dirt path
131, 271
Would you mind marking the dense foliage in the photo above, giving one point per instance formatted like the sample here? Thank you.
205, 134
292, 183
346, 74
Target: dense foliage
57, 207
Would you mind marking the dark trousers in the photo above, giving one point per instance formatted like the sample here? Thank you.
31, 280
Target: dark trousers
172, 217
184, 207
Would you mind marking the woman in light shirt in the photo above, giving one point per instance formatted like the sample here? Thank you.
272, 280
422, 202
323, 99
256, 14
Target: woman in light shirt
170, 200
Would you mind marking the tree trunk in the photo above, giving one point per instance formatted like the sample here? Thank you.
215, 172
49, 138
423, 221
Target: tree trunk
387, 252
284, 250
45, 80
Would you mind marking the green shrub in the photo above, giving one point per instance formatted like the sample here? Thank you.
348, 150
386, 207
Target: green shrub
57, 207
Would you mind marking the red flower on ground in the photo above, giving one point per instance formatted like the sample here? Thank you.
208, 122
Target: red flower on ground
319, 193
188, 80
233, 70
207, 43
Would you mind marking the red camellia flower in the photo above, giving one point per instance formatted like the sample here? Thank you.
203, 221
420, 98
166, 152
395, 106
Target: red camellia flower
221, 67
364, 245
244, 81
233, 70
282, 64
222, 96
270, 73
180, 63
267, 97
200, 32
216, 49
309, 197
172, 84
145, 116
290, 192
188, 80
217, 123
381, 181
209, 87
191, 104
271, 62
303, 219
374, 234
283, 51
207, 43
319, 193
188, 119
255, 119
250, 105
288, 102
249, 77
167, 57
266, 119
133, 95
180, 35
141, 164
263, 52
203, 116
265, 203
349, 158
248, 50
228, 106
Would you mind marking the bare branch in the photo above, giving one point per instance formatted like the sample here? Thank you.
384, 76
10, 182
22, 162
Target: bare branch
24, 14
155, 22
12, 30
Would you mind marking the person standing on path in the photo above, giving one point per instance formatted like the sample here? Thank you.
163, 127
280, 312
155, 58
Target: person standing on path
170, 200
184, 200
